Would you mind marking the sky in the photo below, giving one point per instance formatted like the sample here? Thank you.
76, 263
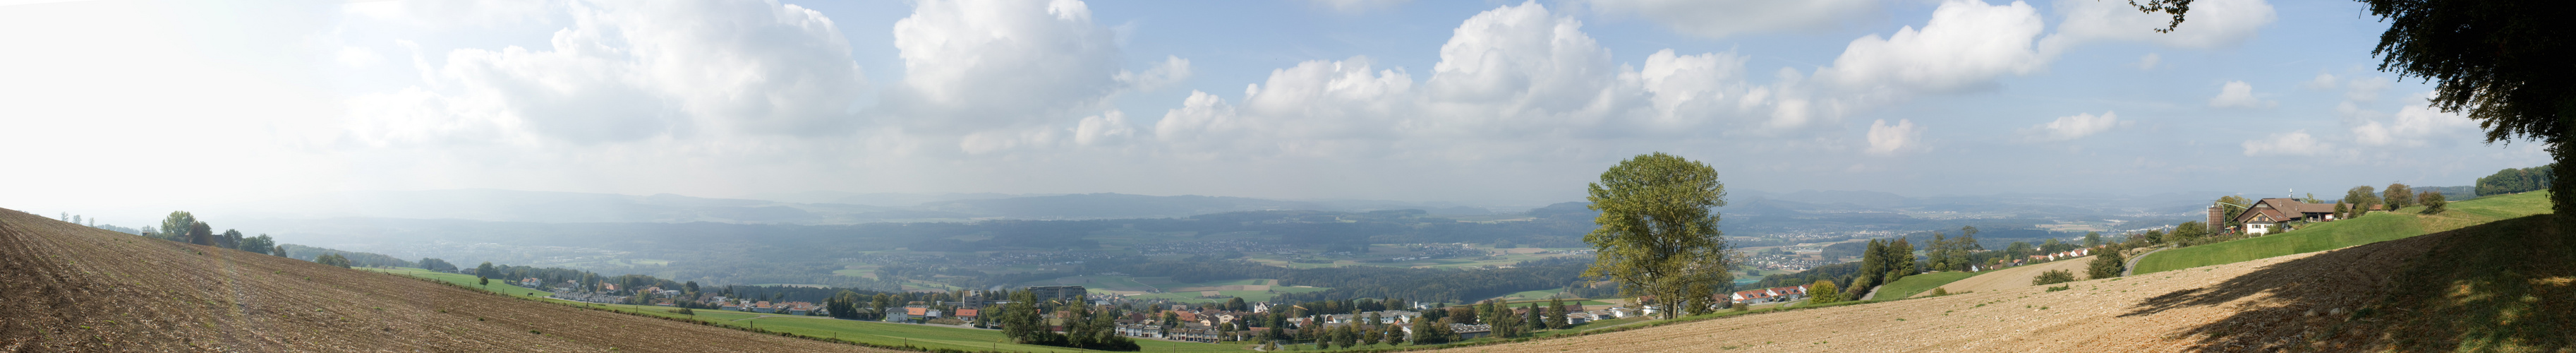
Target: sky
120, 103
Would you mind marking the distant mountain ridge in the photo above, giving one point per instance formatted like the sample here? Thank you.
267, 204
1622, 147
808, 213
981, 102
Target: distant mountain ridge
571, 207
818, 208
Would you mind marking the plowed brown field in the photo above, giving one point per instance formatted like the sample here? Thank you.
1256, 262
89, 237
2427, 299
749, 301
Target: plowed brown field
2263, 305
66, 287
2016, 277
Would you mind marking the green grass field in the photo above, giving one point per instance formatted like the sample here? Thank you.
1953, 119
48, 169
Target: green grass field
464, 280
1916, 284
2371, 228
1247, 295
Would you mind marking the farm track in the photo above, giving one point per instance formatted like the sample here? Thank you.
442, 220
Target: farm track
66, 287
2281, 303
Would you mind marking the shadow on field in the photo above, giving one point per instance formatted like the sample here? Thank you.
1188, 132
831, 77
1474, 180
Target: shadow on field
2508, 285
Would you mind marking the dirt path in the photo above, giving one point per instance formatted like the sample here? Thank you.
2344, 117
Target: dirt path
2011, 278
2132, 267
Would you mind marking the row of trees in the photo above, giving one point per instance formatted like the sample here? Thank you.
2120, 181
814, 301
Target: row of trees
2513, 180
1023, 320
181, 226
855, 305
93, 223
1886, 262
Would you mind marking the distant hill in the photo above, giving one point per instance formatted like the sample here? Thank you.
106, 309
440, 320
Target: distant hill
880, 199
790, 208
1082, 206
76, 288
561, 207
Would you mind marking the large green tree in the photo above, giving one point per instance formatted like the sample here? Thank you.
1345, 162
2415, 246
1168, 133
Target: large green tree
2361, 198
2502, 62
201, 234
2398, 196
1658, 234
262, 244
175, 226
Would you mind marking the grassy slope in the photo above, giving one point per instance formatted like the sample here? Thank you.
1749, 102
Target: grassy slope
881, 333
465, 280
2372, 228
2504, 286
1916, 284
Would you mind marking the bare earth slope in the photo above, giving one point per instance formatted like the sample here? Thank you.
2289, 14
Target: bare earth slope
2016, 277
66, 287
2297, 302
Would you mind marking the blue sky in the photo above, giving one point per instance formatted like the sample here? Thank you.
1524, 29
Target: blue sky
1515, 103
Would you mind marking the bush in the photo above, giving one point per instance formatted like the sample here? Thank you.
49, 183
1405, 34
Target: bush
1936, 291
2433, 202
2053, 277
2107, 264
1823, 293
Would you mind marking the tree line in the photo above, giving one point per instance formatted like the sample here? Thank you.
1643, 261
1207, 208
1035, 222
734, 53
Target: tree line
2511, 180
1352, 282
181, 226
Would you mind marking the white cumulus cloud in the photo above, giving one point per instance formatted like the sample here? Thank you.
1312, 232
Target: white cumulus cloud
2295, 143
630, 71
1888, 139
2412, 126
2076, 126
2238, 94
2323, 81
1506, 77
1966, 45
1722, 18
974, 64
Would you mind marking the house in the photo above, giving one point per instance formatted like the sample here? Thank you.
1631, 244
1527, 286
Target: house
917, 314
1621, 312
1140, 330
1579, 318
1067, 294
1767, 295
1469, 332
1195, 333
2265, 215
967, 314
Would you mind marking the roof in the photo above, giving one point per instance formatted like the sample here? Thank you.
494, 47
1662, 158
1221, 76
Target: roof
965, 312
2282, 208
916, 311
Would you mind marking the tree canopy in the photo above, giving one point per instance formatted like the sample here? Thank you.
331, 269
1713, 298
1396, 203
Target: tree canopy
1658, 233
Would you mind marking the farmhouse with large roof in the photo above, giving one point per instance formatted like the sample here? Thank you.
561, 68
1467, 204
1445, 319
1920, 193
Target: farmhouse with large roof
2267, 214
